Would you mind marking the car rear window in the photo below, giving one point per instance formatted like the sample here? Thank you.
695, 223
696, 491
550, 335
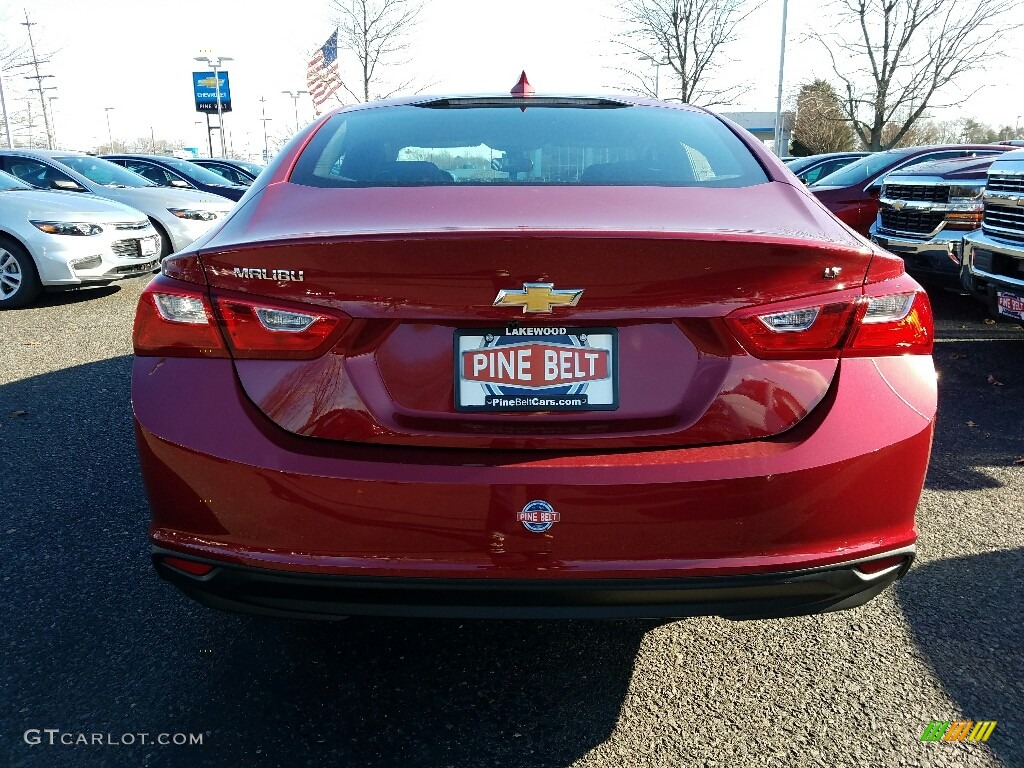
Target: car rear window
488, 142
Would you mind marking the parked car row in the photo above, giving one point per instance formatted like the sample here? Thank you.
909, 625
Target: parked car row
813, 167
184, 174
91, 221
954, 213
852, 193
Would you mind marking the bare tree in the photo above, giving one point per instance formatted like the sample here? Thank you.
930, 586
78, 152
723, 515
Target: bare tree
686, 36
894, 56
375, 32
821, 123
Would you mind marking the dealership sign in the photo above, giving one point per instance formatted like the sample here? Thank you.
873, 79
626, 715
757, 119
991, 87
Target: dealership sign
205, 86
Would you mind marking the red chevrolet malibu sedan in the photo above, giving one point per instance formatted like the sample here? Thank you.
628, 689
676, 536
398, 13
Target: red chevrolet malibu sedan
532, 356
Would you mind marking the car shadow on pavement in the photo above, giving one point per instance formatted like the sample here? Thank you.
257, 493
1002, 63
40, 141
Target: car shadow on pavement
981, 374
75, 296
971, 636
403, 692
97, 644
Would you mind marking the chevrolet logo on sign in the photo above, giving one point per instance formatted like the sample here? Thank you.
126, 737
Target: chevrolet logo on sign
538, 297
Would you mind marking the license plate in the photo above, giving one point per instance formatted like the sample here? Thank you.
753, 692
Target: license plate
536, 368
1010, 305
148, 246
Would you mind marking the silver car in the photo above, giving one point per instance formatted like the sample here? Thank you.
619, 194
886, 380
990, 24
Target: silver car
179, 215
58, 240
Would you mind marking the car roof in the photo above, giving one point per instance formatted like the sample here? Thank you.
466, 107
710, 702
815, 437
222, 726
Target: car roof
142, 156
539, 99
49, 153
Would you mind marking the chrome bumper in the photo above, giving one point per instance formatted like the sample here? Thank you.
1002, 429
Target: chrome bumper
937, 256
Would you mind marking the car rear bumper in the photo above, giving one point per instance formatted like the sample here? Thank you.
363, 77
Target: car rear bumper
228, 486
265, 592
936, 258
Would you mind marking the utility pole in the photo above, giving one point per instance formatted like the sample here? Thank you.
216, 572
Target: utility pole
53, 121
3, 107
38, 78
265, 119
110, 135
779, 129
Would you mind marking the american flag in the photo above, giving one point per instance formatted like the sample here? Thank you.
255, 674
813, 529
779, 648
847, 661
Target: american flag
322, 73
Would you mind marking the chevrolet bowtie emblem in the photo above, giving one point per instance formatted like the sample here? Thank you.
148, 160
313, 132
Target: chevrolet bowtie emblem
898, 205
538, 297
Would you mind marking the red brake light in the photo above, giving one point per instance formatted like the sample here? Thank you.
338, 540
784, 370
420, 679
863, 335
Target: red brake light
184, 267
786, 329
178, 319
891, 317
894, 324
188, 566
174, 319
262, 329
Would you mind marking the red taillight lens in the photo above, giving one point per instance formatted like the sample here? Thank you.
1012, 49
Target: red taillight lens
883, 563
174, 319
188, 566
786, 329
894, 318
261, 329
894, 324
178, 319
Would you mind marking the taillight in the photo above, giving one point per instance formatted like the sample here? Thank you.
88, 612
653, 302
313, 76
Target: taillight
179, 319
891, 317
174, 319
256, 328
893, 324
785, 329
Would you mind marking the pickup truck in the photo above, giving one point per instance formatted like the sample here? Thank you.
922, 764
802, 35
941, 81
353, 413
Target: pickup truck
993, 256
924, 212
852, 193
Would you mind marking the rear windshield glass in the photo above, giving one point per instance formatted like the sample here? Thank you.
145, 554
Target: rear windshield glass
562, 144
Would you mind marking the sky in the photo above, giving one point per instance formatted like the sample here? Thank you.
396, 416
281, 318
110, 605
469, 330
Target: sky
137, 57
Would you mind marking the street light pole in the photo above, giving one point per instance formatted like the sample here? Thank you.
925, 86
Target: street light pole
295, 99
264, 118
53, 121
214, 63
110, 135
3, 107
779, 132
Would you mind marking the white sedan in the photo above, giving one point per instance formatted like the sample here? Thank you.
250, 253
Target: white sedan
58, 240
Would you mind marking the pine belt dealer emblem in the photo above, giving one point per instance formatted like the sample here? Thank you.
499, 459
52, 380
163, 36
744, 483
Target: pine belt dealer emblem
538, 297
538, 516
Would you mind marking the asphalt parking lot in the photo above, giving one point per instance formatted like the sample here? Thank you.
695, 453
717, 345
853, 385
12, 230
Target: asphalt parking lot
95, 643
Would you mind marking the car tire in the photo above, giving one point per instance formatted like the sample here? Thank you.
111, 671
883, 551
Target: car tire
165, 241
19, 279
